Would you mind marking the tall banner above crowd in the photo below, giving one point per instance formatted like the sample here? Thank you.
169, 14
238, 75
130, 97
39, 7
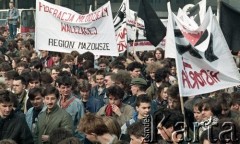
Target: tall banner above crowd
63, 30
120, 25
130, 30
203, 65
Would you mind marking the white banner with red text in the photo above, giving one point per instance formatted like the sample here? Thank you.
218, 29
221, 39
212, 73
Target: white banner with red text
63, 30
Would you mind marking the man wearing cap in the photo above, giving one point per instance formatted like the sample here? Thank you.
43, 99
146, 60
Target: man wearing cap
138, 86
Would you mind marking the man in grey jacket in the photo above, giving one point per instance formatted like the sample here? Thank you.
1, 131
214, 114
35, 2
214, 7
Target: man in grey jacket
12, 19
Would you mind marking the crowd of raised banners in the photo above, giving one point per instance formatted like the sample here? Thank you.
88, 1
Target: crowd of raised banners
194, 38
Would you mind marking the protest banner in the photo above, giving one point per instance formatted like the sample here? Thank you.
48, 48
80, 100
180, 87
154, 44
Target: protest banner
120, 25
204, 61
130, 30
63, 30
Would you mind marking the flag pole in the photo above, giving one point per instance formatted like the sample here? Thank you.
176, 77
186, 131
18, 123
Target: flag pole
136, 30
184, 118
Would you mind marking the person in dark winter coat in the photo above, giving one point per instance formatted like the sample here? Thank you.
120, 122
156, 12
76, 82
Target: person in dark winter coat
13, 125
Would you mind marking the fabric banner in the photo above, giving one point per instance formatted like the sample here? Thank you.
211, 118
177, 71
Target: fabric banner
130, 31
62, 30
120, 25
203, 65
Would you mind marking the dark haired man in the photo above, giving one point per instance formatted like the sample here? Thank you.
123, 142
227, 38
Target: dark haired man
19, 88
99, 91
136, 132
36, 98
115, 108
12, 125
143, 108
53, 117
135, 69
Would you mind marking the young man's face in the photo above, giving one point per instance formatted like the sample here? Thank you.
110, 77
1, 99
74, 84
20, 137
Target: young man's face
18, 87
206, 113
56, 59
20, 69
114, 100
102, 66
9, 82
135, 140
84, 94
158, 55
135, 73
5, 109
37, 102
54, 74
225, 110
164, 94
152, 74
33, 84
10, 5
173, 71
100, 80
143, 110
235, 107
173, 103
50, 101
197, 114
149, 60
44, 53
108, 81
134, 89
65, 90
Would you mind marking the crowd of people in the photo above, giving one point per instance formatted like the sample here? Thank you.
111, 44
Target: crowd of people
63, 98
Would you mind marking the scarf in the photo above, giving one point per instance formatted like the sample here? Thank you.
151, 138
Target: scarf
109, 110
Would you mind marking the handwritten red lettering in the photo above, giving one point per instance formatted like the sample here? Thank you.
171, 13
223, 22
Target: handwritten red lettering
122, 46
78, 29
122, 34
194, 79
61, 15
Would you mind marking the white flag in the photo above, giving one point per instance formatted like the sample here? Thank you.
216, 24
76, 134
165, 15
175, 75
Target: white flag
205, 64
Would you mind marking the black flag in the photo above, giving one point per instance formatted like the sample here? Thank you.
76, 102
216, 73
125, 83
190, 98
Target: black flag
155, 30
230, 24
